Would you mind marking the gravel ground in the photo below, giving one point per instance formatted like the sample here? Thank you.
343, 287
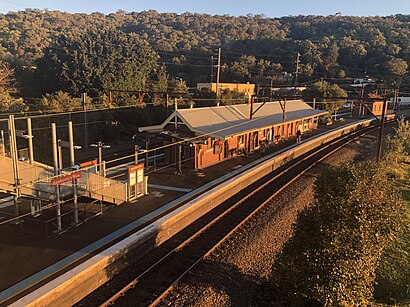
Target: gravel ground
237, 273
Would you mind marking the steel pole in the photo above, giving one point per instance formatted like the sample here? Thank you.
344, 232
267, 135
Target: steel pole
72, 164
136, 149
84, 105
60, 157
146, 154
179, 170
30, 141
14, 157
100, 158
218, 73
55, 160
379, 150
3, 142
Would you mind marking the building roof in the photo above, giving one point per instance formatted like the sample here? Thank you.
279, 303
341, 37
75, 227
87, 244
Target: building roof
225, 121
374, 96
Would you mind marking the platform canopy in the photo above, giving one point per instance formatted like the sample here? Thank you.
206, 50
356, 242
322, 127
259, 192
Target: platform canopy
223, 122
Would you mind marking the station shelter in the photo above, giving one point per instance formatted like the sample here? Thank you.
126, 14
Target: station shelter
206, 136
373, 102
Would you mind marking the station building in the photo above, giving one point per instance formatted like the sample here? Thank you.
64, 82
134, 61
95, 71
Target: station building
212, 134
374, 103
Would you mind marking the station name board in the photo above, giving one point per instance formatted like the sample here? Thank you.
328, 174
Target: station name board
65, 178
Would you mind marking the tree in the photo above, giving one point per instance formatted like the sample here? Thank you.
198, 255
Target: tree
6, 77
397, 67
330, 94
229, 97
7, 102
242, 70
97, 61
62, 102
10, 104
398, 146
393, 272
337, 243
330, 58
326, 44
162, 84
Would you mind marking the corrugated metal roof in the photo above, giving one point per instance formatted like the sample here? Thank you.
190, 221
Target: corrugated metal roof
225, 121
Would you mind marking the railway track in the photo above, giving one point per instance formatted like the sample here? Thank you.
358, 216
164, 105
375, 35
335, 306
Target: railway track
152, 285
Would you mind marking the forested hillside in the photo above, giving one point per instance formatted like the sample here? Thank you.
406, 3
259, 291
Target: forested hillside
52, 50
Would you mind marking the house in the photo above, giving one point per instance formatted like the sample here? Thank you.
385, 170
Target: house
212, 134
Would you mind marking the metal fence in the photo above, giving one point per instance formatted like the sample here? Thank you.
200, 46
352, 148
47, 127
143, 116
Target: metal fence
102, 188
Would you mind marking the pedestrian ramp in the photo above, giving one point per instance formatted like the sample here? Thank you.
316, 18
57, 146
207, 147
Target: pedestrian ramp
38, 181
28, 177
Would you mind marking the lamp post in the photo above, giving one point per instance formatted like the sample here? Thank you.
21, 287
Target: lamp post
100, 146
136, 148
72, 147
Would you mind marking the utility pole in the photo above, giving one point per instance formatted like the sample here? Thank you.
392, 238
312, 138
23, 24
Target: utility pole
379, 150
217, 76
297, 69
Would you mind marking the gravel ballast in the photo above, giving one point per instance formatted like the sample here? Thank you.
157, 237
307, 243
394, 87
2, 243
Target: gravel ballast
237, 272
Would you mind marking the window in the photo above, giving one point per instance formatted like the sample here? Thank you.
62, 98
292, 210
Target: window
209, 143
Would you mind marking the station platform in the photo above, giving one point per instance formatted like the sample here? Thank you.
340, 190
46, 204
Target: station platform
26, 258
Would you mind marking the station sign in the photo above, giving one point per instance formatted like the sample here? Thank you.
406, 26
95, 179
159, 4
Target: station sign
65, 178
88, 163
91, 166
134, 168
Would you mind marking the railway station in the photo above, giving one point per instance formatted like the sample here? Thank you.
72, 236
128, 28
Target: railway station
193, 154
85, 208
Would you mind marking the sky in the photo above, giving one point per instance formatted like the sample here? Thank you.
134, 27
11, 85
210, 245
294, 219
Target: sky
270, 8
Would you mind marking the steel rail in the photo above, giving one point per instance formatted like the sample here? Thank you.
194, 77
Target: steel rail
348, 137
84, 257
21, 292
